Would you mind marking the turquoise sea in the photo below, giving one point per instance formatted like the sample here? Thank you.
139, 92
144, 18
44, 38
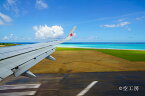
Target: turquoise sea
99, 45
130, 46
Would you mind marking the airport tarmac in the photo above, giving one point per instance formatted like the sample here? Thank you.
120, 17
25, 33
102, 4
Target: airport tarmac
77, 84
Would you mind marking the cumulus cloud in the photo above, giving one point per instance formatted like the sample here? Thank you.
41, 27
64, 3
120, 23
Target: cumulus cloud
40, 4
45, 32
116, 25
4, 19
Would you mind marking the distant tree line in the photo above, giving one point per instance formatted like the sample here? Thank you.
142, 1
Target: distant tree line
8, 44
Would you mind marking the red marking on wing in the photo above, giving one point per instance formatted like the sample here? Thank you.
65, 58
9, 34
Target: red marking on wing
71, 34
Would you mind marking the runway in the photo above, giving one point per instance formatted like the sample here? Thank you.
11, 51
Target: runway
77, 84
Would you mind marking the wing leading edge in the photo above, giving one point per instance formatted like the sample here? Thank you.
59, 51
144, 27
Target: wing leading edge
17, 60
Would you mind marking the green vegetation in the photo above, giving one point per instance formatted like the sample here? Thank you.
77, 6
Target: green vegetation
70, 49
8, 44
131, 55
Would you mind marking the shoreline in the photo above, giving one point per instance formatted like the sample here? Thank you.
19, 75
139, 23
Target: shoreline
100, 48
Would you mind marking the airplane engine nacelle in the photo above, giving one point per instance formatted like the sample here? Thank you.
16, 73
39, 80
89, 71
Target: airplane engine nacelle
51, 58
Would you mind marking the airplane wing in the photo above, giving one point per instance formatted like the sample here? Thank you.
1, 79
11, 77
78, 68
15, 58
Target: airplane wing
17, 60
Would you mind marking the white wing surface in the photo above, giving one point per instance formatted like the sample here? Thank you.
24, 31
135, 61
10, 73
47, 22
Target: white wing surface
17, 60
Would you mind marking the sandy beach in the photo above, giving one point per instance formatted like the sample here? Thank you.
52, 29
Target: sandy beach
86, 61
2, 45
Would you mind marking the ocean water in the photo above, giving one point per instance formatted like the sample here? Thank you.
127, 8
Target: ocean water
99, 45
130, 46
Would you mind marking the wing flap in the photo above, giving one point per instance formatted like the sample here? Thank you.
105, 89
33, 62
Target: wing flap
13, 62
19, 47
20, 51
31, 63
5, 73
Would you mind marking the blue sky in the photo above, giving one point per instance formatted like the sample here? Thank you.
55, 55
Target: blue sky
96, 20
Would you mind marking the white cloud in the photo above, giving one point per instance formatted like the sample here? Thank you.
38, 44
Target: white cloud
11, 5
12, 37
45, 32
6, 18
116, 25
40, 4
9, 37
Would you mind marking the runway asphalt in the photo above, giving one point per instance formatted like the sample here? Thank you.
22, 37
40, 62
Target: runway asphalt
77, 84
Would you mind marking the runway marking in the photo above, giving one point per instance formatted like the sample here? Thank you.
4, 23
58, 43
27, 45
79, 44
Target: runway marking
83, 92
19, 86
18, 93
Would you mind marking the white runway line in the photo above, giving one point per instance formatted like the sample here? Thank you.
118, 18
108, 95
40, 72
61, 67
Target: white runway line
83, 92
19, 86
18, 93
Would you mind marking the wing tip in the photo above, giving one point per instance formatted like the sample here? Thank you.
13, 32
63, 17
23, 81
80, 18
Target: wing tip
72, 31
71, 34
